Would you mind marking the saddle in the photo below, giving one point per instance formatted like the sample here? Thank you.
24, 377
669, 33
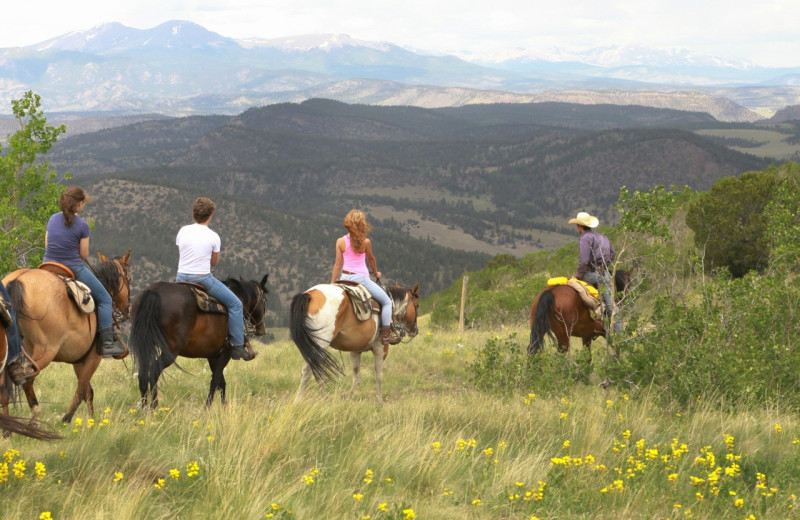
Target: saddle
78, 291
205, 302
363, 304
588, 294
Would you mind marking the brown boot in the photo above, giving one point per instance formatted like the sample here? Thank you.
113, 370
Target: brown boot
21, 368
388, 336
244, 352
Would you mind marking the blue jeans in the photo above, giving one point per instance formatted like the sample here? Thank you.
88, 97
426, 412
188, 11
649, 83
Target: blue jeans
12, 333
226, 297
102, 299
377, 292
602, 282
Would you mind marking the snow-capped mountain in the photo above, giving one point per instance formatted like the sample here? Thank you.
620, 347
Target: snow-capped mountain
181, 67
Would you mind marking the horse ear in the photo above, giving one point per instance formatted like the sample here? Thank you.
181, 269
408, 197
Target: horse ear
264, 283
126, 257
415, 291
102, 257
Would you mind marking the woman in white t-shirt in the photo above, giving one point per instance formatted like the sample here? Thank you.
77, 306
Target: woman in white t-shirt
199, 248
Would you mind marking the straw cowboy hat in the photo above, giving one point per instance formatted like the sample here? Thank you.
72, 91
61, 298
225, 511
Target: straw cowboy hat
584, 219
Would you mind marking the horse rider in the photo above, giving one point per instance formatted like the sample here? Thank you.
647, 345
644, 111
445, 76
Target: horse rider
353, 251
66, 242
19, 366
199, 249
595, 255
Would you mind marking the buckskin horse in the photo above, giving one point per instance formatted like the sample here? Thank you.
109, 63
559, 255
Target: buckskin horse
558, 310
323, 316
167, 323
53, 328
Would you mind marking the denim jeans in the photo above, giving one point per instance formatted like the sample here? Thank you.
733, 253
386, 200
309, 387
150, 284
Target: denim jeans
602, 282
377, 292
221, 292
12, 333
102, 299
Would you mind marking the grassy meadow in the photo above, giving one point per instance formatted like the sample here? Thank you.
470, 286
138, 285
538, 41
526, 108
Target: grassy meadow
435, 449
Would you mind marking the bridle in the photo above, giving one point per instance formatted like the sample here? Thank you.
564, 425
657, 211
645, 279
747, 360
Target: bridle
251, 325
124, 273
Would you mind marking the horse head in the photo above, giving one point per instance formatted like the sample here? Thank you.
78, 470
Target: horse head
115, 275
254, 300
406, 306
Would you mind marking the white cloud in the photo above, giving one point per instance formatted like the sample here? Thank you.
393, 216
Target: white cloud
763, 32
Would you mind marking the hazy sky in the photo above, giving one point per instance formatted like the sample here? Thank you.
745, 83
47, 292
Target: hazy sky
766, 32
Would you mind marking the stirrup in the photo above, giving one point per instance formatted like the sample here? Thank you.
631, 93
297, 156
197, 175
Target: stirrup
21, 368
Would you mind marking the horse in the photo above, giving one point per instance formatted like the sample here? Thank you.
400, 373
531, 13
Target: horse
10, 424
558, 310
166, 323
323, 316
53, 328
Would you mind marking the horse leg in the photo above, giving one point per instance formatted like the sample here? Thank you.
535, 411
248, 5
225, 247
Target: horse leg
217, 365
84, 372
587, 343
378, 352
355, 363
305, 376
33, 402
5, 398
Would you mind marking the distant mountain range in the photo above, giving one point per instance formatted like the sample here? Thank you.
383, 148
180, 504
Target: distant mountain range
180, 68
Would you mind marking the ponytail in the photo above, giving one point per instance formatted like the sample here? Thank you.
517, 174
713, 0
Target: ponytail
69, 201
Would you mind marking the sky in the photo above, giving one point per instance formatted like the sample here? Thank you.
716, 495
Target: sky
763, 32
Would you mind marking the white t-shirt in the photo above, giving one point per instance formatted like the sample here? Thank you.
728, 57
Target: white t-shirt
196, 243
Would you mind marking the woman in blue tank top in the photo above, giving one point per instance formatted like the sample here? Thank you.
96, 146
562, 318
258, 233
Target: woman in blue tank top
67, 242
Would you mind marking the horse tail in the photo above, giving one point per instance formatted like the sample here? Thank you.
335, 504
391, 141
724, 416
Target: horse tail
147, 341
16, 291
21, 427
322, 364
540, 326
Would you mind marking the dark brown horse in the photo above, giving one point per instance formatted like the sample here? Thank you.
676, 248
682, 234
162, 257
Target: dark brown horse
10, 424
323, 316
53, 328
558, 310
166, 323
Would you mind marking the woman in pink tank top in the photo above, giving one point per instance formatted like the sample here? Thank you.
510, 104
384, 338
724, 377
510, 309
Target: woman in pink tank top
353, 251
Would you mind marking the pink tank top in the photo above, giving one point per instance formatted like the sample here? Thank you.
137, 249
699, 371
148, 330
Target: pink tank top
354, 262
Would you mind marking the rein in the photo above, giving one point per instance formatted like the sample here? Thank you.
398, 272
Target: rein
250, 325
400, 326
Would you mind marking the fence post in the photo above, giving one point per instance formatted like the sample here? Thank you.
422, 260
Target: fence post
463, 302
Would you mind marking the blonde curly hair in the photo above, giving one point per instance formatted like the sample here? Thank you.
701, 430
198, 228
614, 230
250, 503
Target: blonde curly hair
356, 223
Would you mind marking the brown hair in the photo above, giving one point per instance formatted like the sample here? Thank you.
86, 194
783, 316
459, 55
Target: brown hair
203, 209
69, 201
356, 223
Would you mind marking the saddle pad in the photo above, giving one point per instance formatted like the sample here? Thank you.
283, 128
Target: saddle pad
360, 298
585, 292
206, 302
80, 293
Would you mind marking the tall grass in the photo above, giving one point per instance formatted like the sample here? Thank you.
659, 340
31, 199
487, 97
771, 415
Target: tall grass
436, 448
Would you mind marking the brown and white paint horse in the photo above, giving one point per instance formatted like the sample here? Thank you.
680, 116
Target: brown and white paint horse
323, 316
54, 329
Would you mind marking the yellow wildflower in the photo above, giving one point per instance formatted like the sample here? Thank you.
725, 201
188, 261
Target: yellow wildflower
358, 497
408, 514
46, 516
175, 473
383, 506
41, 471
118, 476
192, 469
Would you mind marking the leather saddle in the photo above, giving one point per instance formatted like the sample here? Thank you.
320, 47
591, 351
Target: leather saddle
205, 302
363, 304
78, 291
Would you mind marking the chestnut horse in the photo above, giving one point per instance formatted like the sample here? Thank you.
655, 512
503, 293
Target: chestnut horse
558, 310
53, 328
323, 316
10, 424
166, 324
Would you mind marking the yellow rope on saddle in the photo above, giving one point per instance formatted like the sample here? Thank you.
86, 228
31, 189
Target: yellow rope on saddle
562, 280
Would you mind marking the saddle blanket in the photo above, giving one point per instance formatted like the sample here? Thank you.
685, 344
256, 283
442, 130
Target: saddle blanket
206, 302
589, 294
360, 298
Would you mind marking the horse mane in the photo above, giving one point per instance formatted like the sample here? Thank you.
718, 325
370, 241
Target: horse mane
243, 289
397, 294
621, 279
108, 275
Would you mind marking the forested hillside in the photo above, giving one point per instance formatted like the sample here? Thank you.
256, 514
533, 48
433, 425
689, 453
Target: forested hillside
494, 179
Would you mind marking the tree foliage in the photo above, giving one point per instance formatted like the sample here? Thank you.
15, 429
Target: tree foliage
730, 220
28, 188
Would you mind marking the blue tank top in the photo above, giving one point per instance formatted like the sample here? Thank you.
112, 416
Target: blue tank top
63, 243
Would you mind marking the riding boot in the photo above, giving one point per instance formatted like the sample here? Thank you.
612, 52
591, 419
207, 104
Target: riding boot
21, 368
244, 352
389, 336
109, 347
